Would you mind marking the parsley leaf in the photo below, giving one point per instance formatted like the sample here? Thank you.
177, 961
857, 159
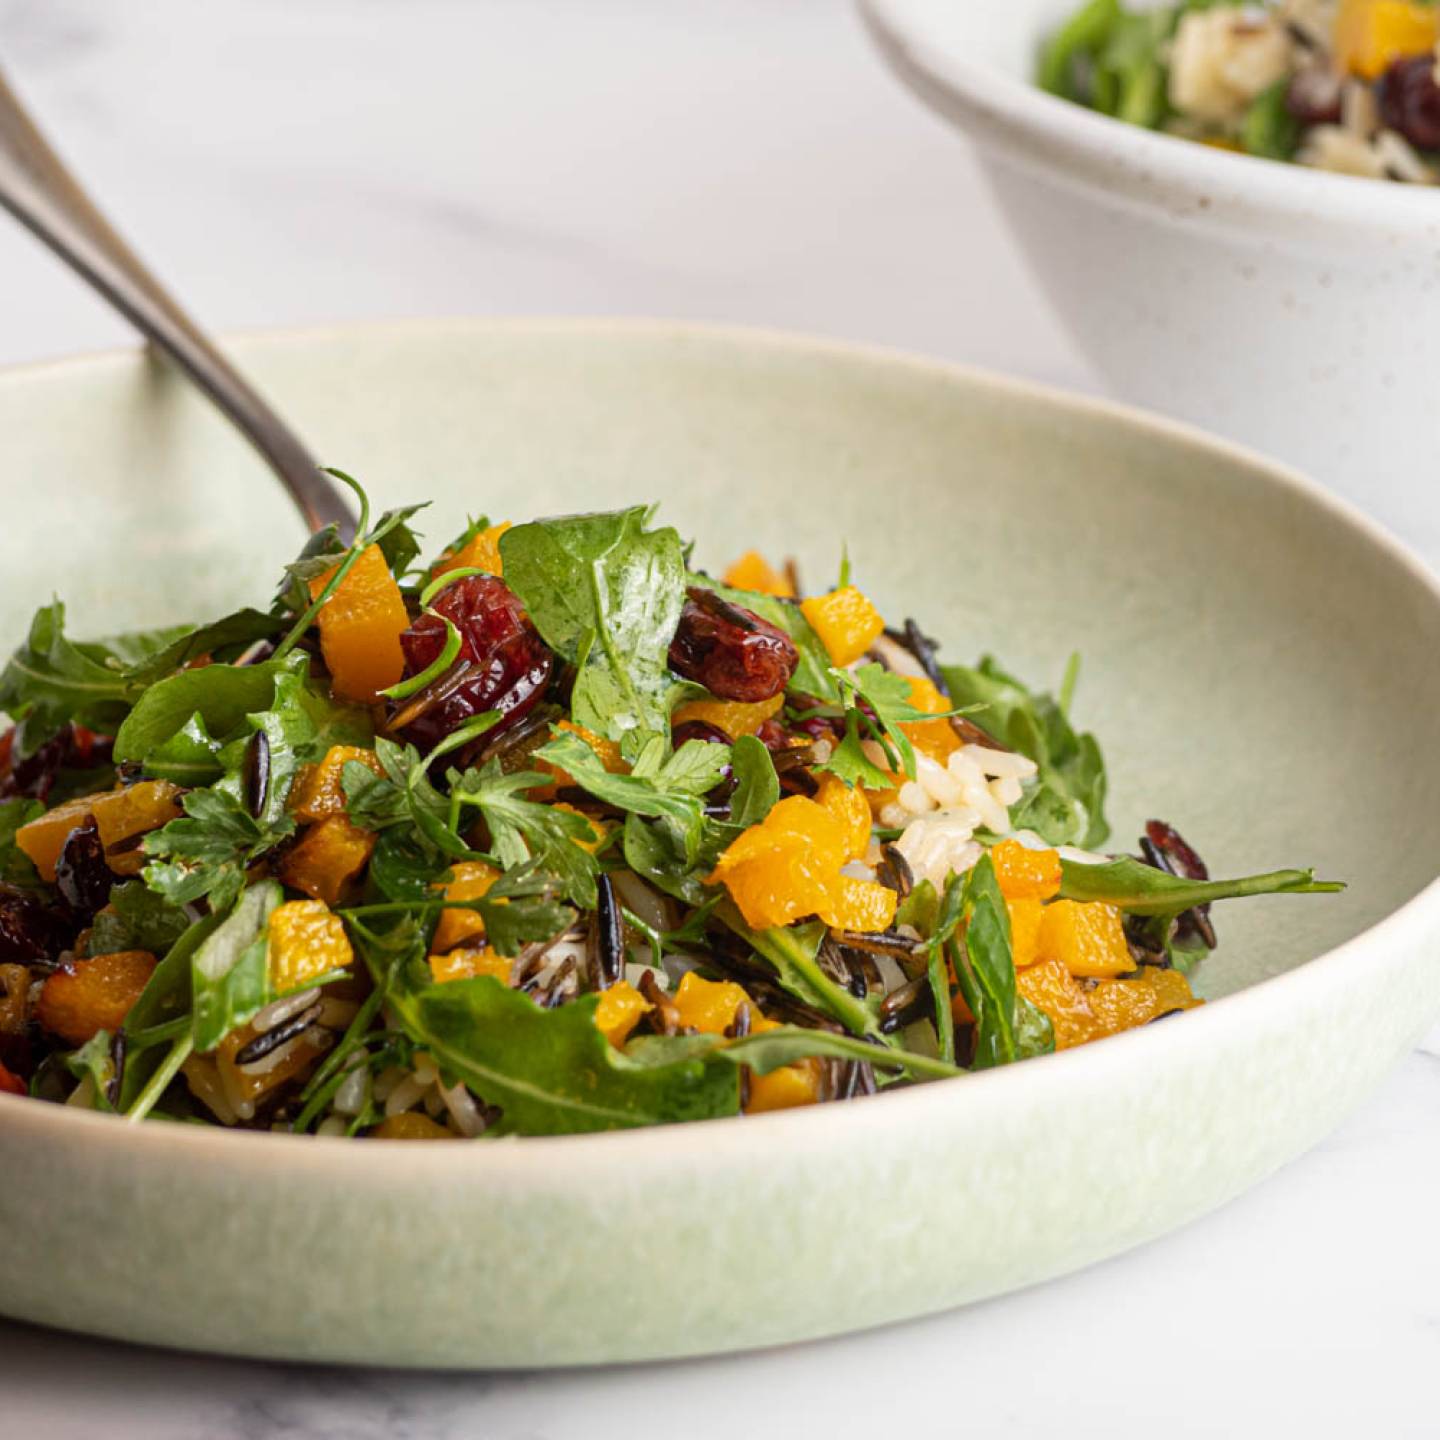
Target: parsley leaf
15, 865
137, 919
523, 830
205, 852
673, 788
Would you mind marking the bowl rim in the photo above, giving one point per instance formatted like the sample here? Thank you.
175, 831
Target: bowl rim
530, 1159
1076, 142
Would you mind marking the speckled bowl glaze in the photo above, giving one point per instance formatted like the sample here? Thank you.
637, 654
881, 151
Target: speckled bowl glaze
1289, 309
1262, 665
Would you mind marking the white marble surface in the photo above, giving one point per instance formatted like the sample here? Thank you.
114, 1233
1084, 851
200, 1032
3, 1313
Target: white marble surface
299, 161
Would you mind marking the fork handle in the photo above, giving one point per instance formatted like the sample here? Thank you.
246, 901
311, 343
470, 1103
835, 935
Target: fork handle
37, 188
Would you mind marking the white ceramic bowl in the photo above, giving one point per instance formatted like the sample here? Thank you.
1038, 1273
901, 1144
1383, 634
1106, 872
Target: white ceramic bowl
1262, 666
1295, 311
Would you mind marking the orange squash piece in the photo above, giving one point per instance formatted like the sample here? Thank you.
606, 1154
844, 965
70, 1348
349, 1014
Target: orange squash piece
1081, 1013
1371, 34
411, 1125
465, 963
480, 552
1026, 916
94, 994
935, 738
328, 856
789, 865
619, 1012
119, 815
710, 1006
319, 791
12, 1084
734, 717
471, 879
785, 1088
1025, 874
753, 572
307, 940
1087, 938
360, 628
846, 622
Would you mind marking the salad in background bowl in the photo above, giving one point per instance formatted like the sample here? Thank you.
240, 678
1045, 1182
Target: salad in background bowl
1348, 86
1289, 306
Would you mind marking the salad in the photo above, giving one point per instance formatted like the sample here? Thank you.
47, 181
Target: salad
1344, 85
557, 833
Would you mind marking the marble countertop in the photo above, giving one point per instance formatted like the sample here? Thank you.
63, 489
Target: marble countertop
291, 162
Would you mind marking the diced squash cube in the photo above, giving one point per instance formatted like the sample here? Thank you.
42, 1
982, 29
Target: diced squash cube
1371, 34
734, 717
319, 792
94, 994
480, 552
360, 628
12, 1084
1050, 987
935, 738
307, 940
466, 962
785, 1088
328, 856
846, 622
753, 572
1025, 874
1026, 916
619, 1012
1086, 937
710, 1006
471, 879
411, 1125
119, 815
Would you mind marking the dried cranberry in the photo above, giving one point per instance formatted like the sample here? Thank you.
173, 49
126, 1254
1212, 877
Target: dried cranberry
773, 735
81, 874
29, 929
731, 651
1166, 849
503, 663
1409, 101
698, 730
34, 775
1313, 96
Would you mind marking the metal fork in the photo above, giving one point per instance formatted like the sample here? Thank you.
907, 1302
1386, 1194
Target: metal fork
37, 188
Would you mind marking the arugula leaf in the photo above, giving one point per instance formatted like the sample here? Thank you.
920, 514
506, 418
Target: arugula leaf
523, 830
786, 1044
206, 851
1141, 889
165, 1000
93, 1061
53, 679
551, 1071
137, 919
814, 675
757, 786
191, 756
983, 962
211, 701
221, 639
791, 951
606, 594
15, 865
229, 972
1065, 803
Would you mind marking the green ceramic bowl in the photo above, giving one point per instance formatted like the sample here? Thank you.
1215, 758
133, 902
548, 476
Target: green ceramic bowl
1262, 665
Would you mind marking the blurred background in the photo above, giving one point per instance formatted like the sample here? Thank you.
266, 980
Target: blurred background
731, 160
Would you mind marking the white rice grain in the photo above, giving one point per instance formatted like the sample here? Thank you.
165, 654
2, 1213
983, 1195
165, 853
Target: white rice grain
277, 1012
